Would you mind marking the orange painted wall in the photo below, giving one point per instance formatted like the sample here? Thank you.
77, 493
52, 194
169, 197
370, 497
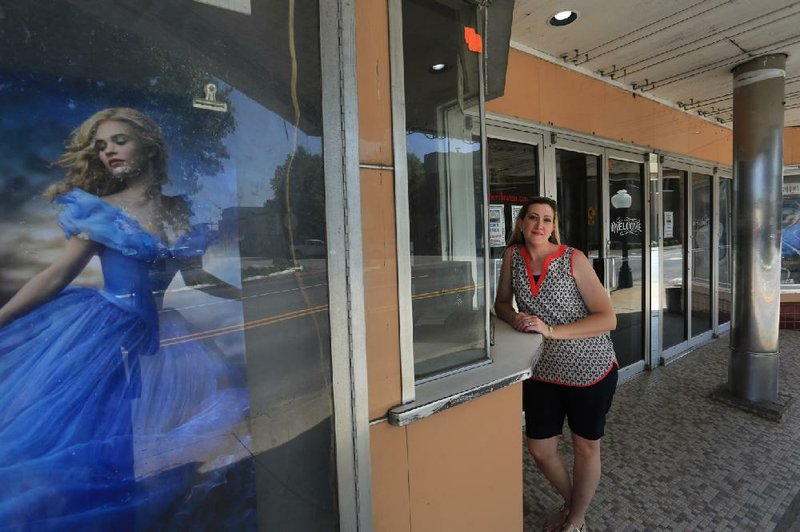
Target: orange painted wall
380, 290
377, 206
373, 83
391, 503
466, 466
543, 92
460, 469
791, 145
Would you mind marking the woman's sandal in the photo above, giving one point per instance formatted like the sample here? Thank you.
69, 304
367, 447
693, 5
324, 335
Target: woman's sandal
569, 527
555, 520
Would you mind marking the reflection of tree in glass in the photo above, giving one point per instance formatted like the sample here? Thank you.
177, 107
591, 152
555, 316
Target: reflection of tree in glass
423, 201
306, 214
39, 108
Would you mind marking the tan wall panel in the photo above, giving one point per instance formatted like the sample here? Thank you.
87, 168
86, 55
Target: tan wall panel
540, 91
466, 466
380, 290
521, 97
790, 298
374, 98
791, 145
390, 498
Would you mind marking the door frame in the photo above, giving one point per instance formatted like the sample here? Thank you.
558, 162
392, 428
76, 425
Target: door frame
690, 340
351, 429
503, 132
520, 137
720, 175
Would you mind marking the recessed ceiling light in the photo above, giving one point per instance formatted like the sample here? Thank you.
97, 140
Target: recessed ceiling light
562, 18
438, 67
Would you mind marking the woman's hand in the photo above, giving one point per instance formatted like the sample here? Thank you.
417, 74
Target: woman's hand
520, 321
529, 323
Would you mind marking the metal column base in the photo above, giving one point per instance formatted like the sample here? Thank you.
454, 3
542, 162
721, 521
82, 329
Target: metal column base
773, 411
753, 376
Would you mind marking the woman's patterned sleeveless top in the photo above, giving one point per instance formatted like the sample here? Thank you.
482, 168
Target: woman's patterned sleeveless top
555, 299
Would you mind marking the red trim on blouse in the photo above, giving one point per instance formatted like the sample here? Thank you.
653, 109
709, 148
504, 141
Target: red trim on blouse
535, 285
603, 376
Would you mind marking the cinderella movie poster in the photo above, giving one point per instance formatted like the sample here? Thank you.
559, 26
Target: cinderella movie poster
115, 408
158, 336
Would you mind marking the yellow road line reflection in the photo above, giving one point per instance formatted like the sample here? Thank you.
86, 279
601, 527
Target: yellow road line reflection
211, 333
436, 293
241, 327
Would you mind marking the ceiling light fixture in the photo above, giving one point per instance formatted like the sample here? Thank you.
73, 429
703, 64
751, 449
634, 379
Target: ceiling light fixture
438, 67
562, 18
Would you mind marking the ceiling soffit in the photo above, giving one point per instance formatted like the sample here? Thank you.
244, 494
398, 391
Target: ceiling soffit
679, 52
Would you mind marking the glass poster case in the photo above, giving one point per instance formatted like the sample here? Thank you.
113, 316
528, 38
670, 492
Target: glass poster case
164, 338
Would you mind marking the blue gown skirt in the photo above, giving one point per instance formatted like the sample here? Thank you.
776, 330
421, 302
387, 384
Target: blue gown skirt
100, 430
66, 445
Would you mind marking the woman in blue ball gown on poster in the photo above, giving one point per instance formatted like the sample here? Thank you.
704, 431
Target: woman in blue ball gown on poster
99, 428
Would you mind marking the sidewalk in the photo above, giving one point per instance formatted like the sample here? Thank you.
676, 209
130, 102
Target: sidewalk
675, 460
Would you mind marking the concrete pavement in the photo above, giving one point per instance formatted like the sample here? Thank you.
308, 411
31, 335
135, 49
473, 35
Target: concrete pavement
673, 459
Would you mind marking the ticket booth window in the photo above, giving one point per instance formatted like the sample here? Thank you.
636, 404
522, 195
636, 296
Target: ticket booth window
442, 50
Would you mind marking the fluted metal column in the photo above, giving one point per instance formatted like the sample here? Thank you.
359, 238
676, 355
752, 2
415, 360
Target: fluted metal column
758, 88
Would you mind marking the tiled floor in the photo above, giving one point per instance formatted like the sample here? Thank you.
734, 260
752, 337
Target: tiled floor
673, 459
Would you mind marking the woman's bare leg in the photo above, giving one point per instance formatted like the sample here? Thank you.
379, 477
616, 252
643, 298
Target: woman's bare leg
585, 477
551, 464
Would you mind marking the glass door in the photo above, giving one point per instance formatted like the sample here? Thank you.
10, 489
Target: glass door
513, 170
687, 258
701, 263
625, 260
579, 194
673, 299
602, 208
725, 224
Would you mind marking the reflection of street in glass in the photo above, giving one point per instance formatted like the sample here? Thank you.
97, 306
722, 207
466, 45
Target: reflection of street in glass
279, 319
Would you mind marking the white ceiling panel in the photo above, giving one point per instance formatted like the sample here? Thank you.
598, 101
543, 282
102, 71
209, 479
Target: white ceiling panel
679, 51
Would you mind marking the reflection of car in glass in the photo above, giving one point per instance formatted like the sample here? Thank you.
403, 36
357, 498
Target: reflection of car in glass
310, 248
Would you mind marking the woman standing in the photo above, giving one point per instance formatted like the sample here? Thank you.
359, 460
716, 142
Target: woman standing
560, 297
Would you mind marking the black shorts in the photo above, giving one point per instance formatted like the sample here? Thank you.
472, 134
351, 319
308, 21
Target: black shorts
585, 407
